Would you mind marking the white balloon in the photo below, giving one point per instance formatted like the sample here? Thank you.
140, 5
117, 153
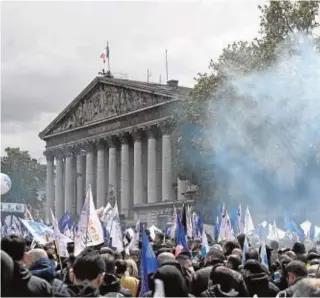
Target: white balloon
5, 183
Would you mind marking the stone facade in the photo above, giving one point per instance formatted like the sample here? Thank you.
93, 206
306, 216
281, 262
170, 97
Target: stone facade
115, 135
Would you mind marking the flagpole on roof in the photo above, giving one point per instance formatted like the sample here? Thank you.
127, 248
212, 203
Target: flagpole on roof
108, 57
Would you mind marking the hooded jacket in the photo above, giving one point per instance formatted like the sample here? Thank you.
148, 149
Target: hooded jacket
174, 283
225, 282
111, 284
76, 290
45, 269
27, 285
259, 284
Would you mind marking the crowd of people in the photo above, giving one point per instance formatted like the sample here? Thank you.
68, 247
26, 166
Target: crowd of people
225, 271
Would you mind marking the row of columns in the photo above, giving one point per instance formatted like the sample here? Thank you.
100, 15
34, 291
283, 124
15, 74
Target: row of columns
75, 170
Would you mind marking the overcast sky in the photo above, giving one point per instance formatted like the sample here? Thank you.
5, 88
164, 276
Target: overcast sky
50, 51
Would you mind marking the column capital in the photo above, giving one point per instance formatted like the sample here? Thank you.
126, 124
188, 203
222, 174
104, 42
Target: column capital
136, 134
69, 151
151, 131
59, 153
49, 154
89, 145
123, 137
111, 141
80, 149
101, 144
166, 127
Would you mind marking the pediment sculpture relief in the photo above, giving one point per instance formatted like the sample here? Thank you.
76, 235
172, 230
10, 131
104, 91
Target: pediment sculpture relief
105, 102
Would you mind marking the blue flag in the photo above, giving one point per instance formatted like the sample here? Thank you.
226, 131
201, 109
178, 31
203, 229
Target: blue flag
148, 262
65, 222
181, 241
245, 249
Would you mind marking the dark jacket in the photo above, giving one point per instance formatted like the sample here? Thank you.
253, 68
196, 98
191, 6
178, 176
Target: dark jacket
27, 285
82, 291
45, 269
289, 291
259, 284
216, 291
111, 284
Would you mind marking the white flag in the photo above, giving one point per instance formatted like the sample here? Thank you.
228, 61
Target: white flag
226, 231
248, 223
116, 232
204, 244
189, 222
106, 213
134, 244
60, 239
240, 221
174, 223
90, 231
273, 232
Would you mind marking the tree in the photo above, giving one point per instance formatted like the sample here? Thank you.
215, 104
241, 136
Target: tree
26, 175
278, 21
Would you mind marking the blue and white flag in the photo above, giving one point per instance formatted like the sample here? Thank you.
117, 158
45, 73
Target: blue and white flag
263, 255
204, 244
40, 232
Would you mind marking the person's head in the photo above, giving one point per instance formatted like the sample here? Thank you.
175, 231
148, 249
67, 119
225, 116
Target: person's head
229, 246
291, 254
185, 261
252, 254
214, 256
299, 248
109, 263
238, 252
34, 255
241, 238
225, 278
233, 262
121, 267
132, 268
14, 246
159, 237
253, 267
88, 268
6, 273
165, 257
173, 281
295, 271
106, 250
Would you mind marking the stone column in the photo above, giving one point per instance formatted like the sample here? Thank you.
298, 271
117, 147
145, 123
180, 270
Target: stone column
80, 179
125, 174
112, 163
59, 205
89, 165
101, 174
137, 169
152, 166
69, 187
166, 163
49, 185
182, 189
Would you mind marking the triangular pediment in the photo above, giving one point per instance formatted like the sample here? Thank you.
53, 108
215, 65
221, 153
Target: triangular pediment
106, 98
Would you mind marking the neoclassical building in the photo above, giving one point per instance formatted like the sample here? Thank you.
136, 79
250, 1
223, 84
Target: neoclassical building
116, 134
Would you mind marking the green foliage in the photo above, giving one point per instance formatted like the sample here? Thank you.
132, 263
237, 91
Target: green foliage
278, 20
26, 175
